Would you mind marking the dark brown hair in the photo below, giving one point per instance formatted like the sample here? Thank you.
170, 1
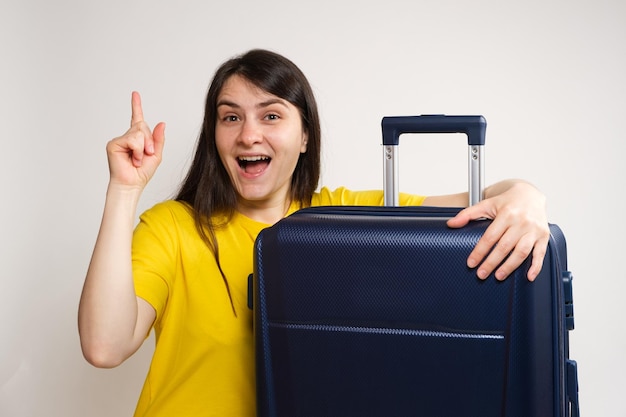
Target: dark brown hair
207, 187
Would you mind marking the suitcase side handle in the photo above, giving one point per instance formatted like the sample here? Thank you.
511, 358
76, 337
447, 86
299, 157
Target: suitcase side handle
394, 126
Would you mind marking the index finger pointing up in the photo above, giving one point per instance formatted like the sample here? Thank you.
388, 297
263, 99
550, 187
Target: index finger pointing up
137, 111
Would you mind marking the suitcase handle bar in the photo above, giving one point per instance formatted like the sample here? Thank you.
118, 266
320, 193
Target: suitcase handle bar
394, 126
473, 126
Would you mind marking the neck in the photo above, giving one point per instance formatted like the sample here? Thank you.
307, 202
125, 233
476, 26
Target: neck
264, 212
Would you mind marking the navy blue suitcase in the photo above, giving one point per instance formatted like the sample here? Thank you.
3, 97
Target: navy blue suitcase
372, 311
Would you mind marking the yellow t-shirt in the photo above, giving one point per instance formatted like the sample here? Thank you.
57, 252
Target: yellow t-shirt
203, 363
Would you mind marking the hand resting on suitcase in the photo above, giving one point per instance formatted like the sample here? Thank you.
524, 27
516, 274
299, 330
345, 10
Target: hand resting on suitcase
519, 227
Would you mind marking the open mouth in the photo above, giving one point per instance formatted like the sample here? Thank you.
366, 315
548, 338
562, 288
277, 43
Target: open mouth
253, 164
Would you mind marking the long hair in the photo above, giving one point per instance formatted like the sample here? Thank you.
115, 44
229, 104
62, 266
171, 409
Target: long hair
207, 187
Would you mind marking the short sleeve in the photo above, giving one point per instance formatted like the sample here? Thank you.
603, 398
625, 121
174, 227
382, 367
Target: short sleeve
154, 256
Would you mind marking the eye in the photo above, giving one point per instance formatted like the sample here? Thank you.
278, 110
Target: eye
230, 118
272, 116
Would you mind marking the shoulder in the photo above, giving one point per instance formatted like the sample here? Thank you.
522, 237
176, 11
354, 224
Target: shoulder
167, 218
168, 208
163, 231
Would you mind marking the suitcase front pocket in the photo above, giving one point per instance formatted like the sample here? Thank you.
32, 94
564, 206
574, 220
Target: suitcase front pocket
377, 371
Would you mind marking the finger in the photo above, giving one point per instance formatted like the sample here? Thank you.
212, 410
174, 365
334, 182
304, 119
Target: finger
158, 139
138, 150
498, 254
517, 256
485, 245
154, 139
130, 145
480, 210
539, 253
136, 109
461, 219
135, 147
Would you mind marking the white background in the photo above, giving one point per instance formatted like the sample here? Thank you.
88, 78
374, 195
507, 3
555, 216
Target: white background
549, 76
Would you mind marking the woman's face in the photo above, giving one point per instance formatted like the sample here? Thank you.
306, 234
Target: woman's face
259, 137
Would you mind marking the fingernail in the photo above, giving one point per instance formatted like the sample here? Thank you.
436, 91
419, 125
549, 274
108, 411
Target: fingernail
471, 263
482, 274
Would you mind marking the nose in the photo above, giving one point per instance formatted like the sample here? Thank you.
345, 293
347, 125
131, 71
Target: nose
250, 133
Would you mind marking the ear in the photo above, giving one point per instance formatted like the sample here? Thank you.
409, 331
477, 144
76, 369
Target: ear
305, 141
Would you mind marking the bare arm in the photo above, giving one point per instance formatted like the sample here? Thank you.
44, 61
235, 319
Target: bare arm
112, 320
519, 227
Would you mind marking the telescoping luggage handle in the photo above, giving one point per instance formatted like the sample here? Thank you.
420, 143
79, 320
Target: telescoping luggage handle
473, 126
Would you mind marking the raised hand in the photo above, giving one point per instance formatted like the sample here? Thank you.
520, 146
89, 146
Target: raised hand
112, 320
134, 156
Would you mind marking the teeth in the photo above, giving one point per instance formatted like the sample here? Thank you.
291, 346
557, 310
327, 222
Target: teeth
253, 158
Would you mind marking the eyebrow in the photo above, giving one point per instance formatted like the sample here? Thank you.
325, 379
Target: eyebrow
260, 105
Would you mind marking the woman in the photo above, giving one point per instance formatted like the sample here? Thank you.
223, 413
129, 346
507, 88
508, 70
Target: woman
184, 269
